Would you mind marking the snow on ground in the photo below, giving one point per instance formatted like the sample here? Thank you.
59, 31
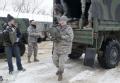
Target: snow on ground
44, 71
82, 76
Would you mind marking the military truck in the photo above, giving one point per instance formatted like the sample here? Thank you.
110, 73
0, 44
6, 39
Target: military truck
104, 36
23, 23
42, 27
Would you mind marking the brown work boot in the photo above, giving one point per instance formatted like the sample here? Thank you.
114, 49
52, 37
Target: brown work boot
36, 60
29, 60
60, 76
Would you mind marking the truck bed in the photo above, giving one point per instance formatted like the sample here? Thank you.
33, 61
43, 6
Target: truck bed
83, 36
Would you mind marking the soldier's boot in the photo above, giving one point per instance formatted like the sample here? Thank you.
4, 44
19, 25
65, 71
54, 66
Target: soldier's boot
35, 59
60, 76
29, 61
35, 55
57, 73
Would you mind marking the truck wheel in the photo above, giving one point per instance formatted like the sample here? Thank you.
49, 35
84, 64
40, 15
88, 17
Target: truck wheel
22, 49
101, 61
75, 55
111, 55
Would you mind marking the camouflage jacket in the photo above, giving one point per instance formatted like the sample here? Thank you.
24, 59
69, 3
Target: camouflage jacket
32, 34
64, 45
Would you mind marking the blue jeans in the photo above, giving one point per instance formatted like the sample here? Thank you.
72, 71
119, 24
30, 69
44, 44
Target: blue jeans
10, 51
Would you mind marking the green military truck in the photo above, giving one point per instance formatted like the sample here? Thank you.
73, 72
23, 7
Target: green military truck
42, 27
104, 36
23, 24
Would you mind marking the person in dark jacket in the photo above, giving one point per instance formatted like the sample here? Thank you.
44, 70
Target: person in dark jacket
11, 40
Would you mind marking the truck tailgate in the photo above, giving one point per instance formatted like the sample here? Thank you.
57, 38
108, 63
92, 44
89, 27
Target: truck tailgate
83, 36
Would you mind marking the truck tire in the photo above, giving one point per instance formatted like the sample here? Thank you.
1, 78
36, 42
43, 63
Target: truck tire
111, 55
75, 55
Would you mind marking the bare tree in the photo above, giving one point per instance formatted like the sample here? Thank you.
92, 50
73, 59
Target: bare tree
51, 12
41, 11
3, 5
20, 6
28, 7
25, 7
17, 6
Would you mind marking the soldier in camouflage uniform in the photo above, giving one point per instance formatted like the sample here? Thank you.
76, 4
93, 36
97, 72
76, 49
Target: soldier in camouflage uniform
32, 41
62, 45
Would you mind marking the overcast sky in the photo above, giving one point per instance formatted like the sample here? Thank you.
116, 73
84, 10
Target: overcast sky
44, 5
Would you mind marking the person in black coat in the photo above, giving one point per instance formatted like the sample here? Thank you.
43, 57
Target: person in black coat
11, 39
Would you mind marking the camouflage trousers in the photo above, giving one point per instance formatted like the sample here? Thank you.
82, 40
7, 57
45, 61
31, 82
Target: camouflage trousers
32, 48
59, 60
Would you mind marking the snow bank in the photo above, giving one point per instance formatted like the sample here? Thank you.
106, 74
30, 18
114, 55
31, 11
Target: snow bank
110, 76
81, 77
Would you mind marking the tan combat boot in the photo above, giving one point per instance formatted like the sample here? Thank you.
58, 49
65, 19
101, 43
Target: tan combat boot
36, 60
57, 73
29, 60
60, 76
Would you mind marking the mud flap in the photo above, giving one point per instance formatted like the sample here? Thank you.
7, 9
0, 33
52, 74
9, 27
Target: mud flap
89, 59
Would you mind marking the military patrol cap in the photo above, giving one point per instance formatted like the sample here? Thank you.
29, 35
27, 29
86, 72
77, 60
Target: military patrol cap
33, 23
63, 18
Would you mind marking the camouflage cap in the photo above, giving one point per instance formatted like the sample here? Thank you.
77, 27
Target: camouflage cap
33, 23
63, 18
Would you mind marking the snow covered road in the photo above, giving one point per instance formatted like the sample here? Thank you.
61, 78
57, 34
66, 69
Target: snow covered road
44, 71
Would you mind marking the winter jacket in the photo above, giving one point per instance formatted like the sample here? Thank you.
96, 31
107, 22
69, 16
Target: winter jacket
32, 34
64, 45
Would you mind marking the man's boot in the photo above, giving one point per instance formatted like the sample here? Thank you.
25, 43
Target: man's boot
23, 69
29, 59
10, 72
60, 76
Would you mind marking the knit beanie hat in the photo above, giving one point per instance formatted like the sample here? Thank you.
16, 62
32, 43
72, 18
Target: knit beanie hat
9, 17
